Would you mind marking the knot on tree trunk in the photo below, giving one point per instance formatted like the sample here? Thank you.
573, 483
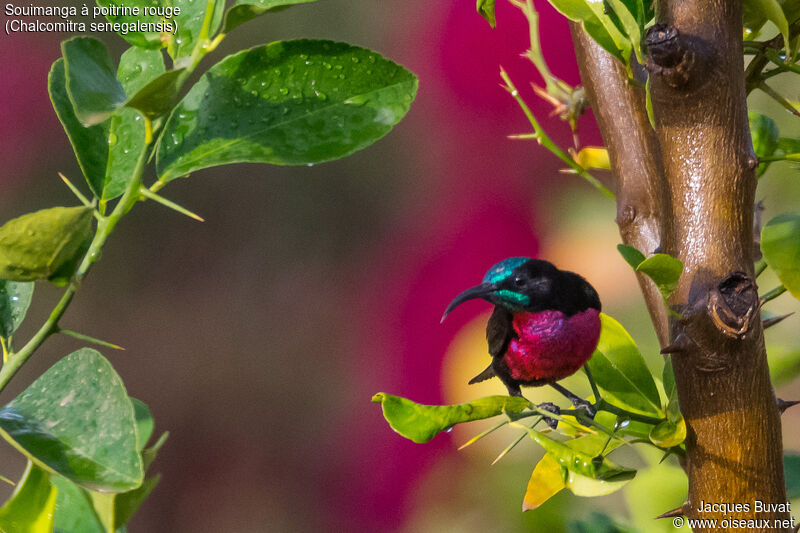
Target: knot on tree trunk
733, 305
676, 58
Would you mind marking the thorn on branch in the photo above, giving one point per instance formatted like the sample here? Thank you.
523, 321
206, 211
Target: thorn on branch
678, 511
680, 345
783, 405
768, 323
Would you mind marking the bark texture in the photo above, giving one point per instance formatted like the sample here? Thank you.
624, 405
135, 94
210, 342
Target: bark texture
688, 188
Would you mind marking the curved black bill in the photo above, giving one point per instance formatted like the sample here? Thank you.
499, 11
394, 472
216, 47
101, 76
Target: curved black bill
479, 291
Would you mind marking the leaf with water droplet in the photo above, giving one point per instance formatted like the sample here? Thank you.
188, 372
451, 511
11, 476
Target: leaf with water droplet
78, 422
15, 298
89, 144
138, 67
128, 128
308, 119
91, 80
34, 246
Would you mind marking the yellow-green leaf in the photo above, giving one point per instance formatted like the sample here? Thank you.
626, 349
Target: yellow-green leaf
421, 423
546, 480
30, 508
36, 245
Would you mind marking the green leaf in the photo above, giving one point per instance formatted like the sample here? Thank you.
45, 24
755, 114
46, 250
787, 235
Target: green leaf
127, 146
421, 423
244, 10
159, 96
77, 420
629, 17
74, 510
768, 9
668, 434
36, 245
89, 144
664, 270
152, 40
486, 10
15, 298
138, 67
190, 22
631, 255
579, 462
791, 472
62, 276
780, 245
286, 103
764, 133
144, 423
784, 364
91, 78
620, 371
597, 24
788, 148
30, 508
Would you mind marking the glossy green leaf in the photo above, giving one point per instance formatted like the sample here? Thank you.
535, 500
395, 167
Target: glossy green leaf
244, 10
628, 15
664, 270
74, 510
77, 420
578, 462
30, 508
597, 24
152, 40
673, 410
768, 9
36, 245
620, 371
190, 22
784, 364
764, 133
286, 103
587, 486
91, 80
780, 245
15, 298
791, 472
486, 10
421, 423
127, 146
138, 67
631, 255
89, 144
788, 148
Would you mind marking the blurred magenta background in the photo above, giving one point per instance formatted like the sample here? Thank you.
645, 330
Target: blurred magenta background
258, 337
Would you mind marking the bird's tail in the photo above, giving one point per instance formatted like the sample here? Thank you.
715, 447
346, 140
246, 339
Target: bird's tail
483, 376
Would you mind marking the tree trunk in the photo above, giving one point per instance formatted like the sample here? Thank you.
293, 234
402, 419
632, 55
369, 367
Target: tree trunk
688, 189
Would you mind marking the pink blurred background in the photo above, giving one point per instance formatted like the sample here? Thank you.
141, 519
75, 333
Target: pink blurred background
258, 337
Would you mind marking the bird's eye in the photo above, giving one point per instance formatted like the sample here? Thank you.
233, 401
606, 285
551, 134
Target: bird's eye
519, 281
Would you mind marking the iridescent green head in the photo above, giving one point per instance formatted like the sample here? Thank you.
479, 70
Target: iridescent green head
533, 285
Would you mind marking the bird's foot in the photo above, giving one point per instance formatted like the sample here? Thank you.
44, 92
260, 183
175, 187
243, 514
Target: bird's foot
550, 407
584, 405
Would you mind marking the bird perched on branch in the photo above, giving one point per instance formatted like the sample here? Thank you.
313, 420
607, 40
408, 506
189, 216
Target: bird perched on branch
545, 325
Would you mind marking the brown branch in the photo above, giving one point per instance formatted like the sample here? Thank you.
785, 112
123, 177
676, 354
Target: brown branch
619, 108
733, 445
